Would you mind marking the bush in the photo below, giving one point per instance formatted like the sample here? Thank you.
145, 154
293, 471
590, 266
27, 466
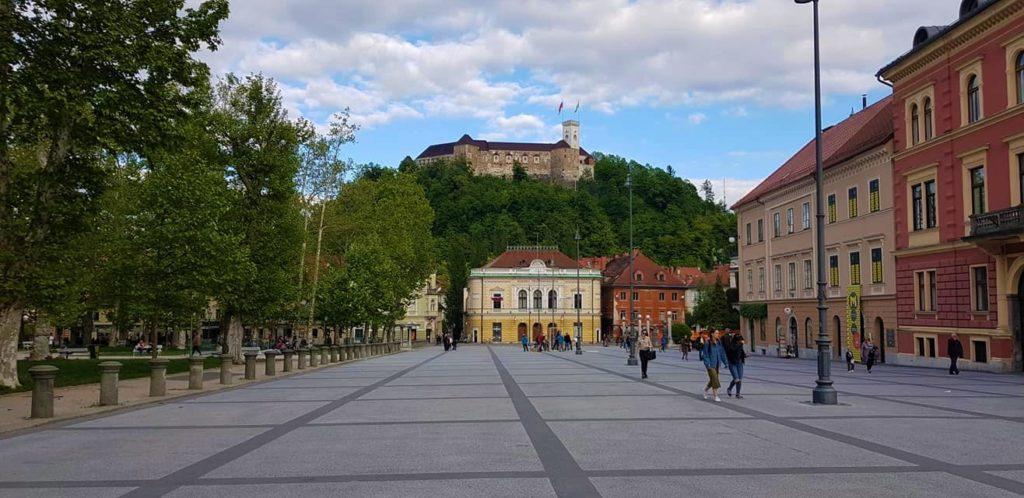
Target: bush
681, 332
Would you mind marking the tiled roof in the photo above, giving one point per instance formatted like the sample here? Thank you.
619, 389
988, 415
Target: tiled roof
926, 35
860, 132
616, 272
447, 149
521, 258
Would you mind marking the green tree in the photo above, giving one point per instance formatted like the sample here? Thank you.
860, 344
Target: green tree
713, 310
78, 84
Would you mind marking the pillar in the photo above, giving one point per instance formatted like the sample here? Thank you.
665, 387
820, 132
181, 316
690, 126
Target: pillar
334, 354
158, 376
108, 382
302, 358
42, 390
195, 372
314, 356
287, 360
271, 366
250, 365
325, 355
225, 368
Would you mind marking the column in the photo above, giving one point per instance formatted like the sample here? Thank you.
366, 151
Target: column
158, 377
250, 365
42, 390
225, 368
271, 364
287, 360
108, 382
195, 373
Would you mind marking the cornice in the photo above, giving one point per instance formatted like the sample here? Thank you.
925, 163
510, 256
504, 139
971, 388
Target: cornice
1008, 113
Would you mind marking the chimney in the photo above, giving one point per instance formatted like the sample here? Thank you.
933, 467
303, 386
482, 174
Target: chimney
863, 101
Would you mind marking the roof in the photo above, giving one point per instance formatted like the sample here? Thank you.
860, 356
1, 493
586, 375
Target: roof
522, 257
616, 272
926, 35
447, 149
859, 133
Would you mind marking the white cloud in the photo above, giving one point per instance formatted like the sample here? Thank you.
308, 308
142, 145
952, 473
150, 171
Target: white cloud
697, 118
519, 127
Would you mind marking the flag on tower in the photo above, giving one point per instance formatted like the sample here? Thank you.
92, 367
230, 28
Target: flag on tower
560, 105
577, 111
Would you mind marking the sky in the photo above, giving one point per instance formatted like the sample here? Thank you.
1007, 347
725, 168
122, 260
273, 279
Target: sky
718, 89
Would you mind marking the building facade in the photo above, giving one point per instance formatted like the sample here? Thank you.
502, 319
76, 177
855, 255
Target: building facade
423, 312
659, 295
563, 161
958, 170
532, 291
776, 226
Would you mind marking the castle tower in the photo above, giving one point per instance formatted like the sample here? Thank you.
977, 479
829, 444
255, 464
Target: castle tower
571, 133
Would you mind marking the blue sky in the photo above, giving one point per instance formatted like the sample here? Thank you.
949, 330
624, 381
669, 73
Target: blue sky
718, 89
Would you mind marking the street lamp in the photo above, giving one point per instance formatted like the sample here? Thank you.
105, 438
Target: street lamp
578, 305
631, 361
824, 393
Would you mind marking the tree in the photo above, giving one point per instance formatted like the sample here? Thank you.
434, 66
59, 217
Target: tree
713, 310
681, 332
260, 153
79, 84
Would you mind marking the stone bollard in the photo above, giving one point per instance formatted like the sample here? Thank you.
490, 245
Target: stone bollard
271, 363
302, 358
250, 365
108, 382
345, 352
42, 390
195, 372
158, 377
225, 369
325, 355
287, 360
314, 356
334, 354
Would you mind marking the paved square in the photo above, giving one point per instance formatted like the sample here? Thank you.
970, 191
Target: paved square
495, 421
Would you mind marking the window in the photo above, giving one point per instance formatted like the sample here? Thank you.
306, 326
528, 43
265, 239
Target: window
1019, 71
917, 202
636, 296
748, 234
808, 275
925, 347
980, 349
522, 300
536, 159
977, 176
831, 208
874, 198
577, 301
876, 265
915, 125
777, 278
929, 131
926, 289
776, 225
622, 295
496, 332
495, 158
760, 230
852, 195
805, 216
661, 296
639, 277
760, 279
973, 99
833, 271
979, 277
792, 277
789, 220
496, 300
660, 277
675, 295
750, 283
929, 203
552, 299
922, 196
538, 302
855, 268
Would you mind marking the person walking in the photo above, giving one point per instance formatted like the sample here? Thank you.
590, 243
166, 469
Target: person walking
558, 342
849, 360
646, 348
867, 354
197, 340
526, 343
569, 341
684, 346
664, 342
714, 358
737, 356
955, 351
455, 342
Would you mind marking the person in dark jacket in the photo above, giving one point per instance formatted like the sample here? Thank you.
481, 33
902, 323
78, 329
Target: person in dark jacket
736, 356
714, 358
956, 351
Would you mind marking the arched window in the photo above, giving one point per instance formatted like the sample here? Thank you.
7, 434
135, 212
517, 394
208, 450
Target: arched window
661, 277
1019, 71
973, 99
639, 277
915, 125
808, 333
552, 299
496, 159
929, 131
536, 159
538, 300
522, 300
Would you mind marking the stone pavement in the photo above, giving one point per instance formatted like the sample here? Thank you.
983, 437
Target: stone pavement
495, 421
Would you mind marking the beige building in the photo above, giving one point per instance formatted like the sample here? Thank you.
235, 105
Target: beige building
532, 291
423, 312
563, 161
776, 225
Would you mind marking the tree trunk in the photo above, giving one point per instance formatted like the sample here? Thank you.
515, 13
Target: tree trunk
316, 267
153, 339
235, 332
41, 339
10, 326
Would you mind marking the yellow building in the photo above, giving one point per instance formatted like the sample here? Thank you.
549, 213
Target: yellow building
532, 291
423, 312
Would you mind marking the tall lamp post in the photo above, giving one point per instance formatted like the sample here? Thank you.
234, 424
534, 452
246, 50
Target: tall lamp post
824, 393
629, 322
578, 305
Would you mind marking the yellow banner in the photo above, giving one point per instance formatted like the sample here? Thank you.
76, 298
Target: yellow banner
853, 321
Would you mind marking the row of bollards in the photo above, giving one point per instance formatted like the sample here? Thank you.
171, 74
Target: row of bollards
43, 376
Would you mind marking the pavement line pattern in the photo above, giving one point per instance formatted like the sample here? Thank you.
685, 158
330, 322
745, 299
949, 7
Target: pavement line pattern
189, 474
565, 474
921, 461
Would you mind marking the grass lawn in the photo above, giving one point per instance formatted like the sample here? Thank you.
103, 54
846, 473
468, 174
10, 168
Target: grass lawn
76, 372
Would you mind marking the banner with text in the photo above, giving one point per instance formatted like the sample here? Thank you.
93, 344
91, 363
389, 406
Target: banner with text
853, 321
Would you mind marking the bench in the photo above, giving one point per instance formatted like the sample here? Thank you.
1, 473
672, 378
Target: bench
26, 345
67, 352
147, 350
252, 349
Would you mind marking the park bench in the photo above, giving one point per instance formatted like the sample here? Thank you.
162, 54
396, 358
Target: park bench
147, 350
68, 352
26, 345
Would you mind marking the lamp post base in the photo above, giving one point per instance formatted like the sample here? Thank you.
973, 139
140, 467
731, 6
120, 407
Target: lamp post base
631, 361
824, 395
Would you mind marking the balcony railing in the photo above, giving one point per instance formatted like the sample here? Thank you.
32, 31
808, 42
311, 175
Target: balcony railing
1002, 222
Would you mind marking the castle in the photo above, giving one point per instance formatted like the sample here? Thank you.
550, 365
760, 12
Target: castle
563, 161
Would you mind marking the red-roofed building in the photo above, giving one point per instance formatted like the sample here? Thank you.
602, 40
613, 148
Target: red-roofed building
563, 161
776, 263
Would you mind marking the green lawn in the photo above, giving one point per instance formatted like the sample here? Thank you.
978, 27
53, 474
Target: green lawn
76, 372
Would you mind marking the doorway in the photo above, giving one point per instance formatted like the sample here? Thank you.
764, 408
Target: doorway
794, 340
880, 334
837, 344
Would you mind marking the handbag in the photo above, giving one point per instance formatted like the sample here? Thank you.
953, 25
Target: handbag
652, 354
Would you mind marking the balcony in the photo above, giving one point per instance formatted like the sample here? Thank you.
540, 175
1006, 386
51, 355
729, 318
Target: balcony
991, 230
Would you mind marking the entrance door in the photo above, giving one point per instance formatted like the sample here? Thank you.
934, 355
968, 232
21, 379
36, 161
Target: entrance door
837, 344
794, 340
880, 342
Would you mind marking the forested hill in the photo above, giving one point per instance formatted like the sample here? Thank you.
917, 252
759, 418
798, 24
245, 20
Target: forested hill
477, 217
